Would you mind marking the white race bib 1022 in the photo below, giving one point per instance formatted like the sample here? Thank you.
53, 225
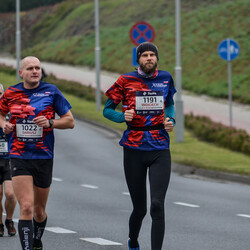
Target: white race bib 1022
28, 131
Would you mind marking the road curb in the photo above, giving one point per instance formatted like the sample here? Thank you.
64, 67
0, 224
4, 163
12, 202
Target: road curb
185, 170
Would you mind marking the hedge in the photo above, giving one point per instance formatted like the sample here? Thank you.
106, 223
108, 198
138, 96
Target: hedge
228, 137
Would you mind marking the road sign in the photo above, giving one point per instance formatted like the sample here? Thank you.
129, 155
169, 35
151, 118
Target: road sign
228, 49
134, 57
142, 32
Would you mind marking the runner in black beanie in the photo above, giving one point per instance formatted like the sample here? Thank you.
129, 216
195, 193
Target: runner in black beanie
146, 46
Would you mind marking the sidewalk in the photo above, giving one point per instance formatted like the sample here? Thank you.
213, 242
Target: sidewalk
217, 110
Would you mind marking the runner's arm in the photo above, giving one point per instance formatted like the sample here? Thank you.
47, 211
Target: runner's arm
170, 112
65, 121
6, 126
110, 113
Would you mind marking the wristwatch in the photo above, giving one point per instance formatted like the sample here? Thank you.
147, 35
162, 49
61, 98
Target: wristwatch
51, 122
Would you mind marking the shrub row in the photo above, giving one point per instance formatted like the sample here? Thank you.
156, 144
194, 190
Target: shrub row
75, 88
228, 137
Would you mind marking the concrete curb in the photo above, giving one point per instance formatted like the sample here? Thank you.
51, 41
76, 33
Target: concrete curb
190, 171
184, 170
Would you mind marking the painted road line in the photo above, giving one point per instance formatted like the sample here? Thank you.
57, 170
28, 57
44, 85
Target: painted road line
102, 242
186, 204
56, 179
59, 230
89, 186
244, 215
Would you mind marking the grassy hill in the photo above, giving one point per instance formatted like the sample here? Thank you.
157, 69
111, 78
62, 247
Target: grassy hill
64, 33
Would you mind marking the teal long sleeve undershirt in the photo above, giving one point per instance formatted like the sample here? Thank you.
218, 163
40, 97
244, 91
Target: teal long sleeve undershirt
110, 113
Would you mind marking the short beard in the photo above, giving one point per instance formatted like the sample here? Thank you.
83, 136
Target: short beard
147, 70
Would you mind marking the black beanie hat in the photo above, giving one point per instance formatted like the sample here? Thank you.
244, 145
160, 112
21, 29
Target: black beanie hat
146, 46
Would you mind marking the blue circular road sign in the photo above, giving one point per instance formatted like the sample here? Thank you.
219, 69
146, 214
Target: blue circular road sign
228, 49
142, 32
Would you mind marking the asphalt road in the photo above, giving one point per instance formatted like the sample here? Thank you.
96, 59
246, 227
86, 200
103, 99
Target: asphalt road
217, 110
89, 204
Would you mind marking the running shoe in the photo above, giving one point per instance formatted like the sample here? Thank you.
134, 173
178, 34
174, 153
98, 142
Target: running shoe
132, 248
1, 230
10, 227
37, 244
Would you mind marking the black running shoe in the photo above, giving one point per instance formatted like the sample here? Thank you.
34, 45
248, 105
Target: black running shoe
10, 227
1, 230
37, 244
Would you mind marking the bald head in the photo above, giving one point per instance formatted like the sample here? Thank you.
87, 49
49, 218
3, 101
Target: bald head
27, 59
30, 71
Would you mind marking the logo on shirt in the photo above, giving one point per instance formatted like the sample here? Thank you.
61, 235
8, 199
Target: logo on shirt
41, 94
159, 84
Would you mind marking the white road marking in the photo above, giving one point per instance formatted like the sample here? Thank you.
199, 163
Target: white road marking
101, 241
244, 215
186, 204
59, 230
56, 179
89, 186
126, 193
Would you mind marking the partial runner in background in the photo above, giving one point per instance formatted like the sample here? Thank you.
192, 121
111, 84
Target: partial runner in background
6, 185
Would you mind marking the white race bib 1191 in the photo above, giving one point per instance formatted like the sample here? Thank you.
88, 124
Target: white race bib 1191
149, 102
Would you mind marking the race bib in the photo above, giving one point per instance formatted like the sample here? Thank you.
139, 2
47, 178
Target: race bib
28, 131
149, 102
3, 147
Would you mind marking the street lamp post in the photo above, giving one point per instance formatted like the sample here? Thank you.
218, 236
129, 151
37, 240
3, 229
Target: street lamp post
97, 56
179, 128
18, 40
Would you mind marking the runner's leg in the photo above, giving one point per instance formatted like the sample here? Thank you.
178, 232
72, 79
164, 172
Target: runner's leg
23, 189
135, 173
40, 216
10, 201
159, 176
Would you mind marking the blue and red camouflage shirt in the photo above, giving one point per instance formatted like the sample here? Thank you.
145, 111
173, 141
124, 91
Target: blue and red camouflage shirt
133, 91
28, 141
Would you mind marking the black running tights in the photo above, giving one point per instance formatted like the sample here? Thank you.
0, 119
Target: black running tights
158, 165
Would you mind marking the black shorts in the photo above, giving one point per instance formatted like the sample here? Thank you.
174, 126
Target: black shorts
40, 169
5, 173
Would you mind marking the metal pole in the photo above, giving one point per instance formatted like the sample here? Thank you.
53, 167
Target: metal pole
179, 127
18, 40
229, 82
97, 56
230, 93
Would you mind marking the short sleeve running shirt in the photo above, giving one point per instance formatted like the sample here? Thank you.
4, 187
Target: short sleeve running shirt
28, 141
148, 97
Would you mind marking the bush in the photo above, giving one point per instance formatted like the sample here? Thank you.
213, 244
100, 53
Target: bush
75, 88
228, 137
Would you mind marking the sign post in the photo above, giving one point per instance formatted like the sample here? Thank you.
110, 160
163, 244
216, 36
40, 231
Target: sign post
18, 40
179, 127
140, 32
228, 50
